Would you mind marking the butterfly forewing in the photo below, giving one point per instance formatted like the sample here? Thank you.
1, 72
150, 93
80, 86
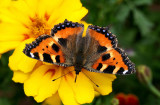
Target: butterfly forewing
46, 49
63, 31
57, 48
106, 56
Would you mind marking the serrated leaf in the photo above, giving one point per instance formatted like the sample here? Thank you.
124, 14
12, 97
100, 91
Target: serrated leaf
142, 22
123, 13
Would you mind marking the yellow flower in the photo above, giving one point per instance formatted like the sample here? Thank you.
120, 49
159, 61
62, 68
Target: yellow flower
23, 21
38, 81
53, 100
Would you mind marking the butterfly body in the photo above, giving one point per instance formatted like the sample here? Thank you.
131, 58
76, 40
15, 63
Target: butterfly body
96, 52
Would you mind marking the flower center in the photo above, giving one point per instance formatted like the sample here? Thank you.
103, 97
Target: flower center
38, 27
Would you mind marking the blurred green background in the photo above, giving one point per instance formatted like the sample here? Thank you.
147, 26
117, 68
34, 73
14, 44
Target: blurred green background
136, 23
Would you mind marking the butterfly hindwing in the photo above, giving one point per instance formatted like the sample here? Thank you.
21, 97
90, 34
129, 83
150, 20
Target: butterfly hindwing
114, 61
106, 57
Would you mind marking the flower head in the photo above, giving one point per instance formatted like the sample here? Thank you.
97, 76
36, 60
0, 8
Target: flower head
129, 99
23, 21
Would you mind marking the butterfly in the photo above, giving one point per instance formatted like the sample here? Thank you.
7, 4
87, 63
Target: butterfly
96, 52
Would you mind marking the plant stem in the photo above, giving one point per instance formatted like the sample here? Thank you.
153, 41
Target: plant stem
154, 90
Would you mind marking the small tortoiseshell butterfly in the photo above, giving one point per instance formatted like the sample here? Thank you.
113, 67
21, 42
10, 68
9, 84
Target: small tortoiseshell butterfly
96, 52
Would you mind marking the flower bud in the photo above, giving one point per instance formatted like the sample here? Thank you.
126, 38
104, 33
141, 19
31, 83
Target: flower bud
114, 101
144, 74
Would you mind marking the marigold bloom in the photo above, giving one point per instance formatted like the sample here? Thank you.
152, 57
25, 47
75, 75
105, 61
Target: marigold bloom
129, 99
23, 21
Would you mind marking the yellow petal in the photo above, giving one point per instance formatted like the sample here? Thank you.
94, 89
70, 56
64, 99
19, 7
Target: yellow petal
85, 27
74, 16
103, 80
66, 10
24, 8
40, 84
83, 88
33, 5
66, 93
4, 3
5, 18
53, 100
47, 6
14, 14
12, 32
19, 61
8, 45
19, 76
96, 94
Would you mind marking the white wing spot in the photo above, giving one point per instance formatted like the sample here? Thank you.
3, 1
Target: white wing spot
32, 55
125, 71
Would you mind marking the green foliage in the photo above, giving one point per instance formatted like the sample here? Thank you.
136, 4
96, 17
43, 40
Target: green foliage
4, 101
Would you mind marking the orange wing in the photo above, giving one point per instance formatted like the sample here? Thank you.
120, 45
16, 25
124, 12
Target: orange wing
114, 61
46, 49
107, 58
58, 48
63, 31
103, 36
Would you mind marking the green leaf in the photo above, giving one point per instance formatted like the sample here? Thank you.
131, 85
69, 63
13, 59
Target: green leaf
123, 13
142, 22
142, 2
4, 101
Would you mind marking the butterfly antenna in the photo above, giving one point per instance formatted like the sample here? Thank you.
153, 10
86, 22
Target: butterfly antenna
63, 75
75, 78
90, 79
